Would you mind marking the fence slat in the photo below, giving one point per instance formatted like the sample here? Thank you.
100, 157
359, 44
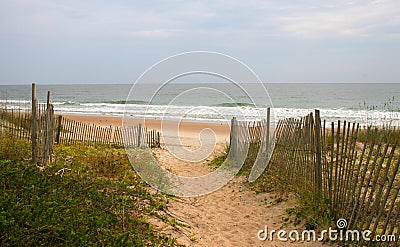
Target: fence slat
359, 177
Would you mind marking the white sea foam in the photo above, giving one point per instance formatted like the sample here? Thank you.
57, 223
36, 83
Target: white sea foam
213, 113
223, 114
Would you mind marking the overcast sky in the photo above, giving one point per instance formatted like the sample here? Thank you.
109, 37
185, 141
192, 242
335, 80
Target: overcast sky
104, 41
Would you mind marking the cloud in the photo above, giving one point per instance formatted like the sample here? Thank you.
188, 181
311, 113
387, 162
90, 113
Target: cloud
154, 33
81, 19
258, 18
347, 19
70, 35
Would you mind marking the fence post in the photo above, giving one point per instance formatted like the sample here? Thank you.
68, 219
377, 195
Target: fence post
267, 129
57, 139
233, 138
48, 137
48, 100
33, 133
318, 168
139, 134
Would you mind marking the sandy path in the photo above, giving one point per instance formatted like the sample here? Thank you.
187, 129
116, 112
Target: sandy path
230, 216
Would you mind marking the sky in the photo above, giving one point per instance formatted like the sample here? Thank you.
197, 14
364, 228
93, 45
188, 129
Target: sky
61, 42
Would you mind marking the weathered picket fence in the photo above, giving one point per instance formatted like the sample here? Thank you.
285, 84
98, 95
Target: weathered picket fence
42, 128
69, 131
255, 134
15, 123
356, 170
35, 125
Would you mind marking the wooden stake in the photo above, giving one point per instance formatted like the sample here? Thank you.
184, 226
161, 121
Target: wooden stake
318, 168
58, 129
33, 132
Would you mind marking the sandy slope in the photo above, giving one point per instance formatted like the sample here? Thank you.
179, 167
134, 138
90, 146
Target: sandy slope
230, 216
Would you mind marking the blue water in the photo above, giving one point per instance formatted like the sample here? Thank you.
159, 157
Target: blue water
220, 101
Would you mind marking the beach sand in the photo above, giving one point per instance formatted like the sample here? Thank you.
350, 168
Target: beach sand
230, 216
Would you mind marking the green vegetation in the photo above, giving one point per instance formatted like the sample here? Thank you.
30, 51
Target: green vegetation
311, 211
390, 135
248, 164
85, 196
314, 213
250, 159
14, 150
218, 160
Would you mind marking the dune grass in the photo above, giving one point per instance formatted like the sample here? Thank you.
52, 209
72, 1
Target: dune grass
86, 196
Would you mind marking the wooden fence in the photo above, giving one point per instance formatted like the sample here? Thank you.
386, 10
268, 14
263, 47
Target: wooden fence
356, 170
15, 123
42, 133
250, 132
71, 132
252, 136
35, 125
42, 128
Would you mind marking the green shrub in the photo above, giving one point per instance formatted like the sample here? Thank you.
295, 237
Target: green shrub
13, 149
87, 196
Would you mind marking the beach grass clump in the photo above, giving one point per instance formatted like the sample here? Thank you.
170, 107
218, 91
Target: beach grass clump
374, 118
312, 212
219, 159
250, 160
14, 150
248, 163
86, 196
391, 135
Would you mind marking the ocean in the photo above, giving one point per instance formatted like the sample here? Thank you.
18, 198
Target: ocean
219, 102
